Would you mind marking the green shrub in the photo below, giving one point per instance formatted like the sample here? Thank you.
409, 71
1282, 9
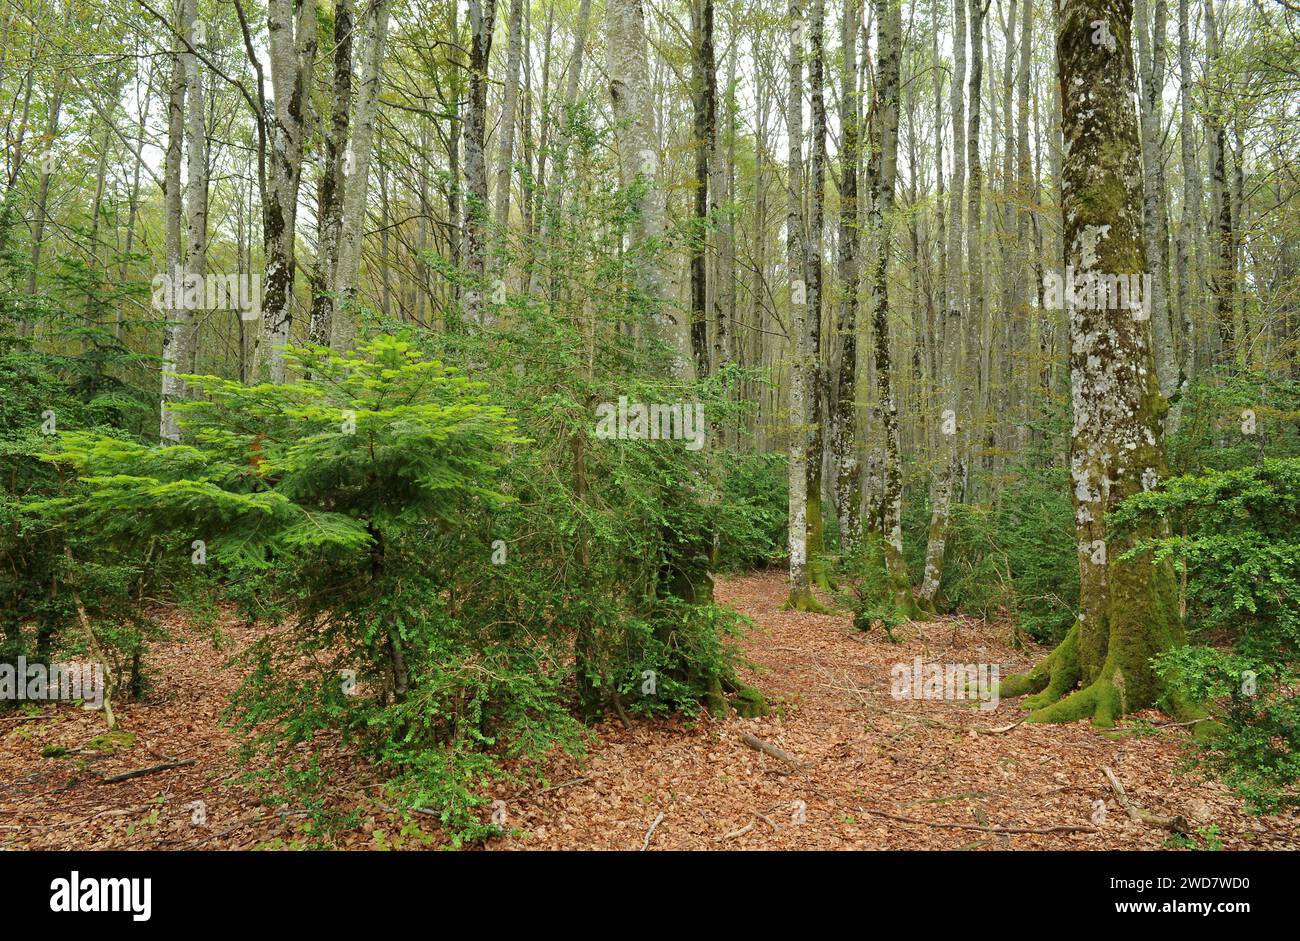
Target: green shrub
1236, 536
754, 519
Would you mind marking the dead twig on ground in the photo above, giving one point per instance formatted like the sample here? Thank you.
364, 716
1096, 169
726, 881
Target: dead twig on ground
645, 844
1061, 828
141, 772
768, 749
1175, 824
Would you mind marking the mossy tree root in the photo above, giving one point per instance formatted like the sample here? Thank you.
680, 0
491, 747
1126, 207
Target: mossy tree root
804, 600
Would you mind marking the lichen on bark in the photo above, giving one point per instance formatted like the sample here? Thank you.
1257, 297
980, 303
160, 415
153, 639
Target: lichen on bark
1127, 606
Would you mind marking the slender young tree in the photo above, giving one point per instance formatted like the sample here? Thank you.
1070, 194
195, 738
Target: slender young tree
801, 596
950, 414
844, 451
888, 14
482, 17
177, 338
332, 185
819, 570
356, 163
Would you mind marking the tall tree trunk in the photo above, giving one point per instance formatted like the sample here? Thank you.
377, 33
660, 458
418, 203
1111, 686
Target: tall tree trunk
888, 40
844, 413
292, 48
721, 172
1191, 213
972, 389
1222, 274
176, 339
1128, 607
333, 180
816, 376
801, 596
628, 68
705, 117
481, 21
347, 271
1151, 74
946, 475
509, 106
196, 169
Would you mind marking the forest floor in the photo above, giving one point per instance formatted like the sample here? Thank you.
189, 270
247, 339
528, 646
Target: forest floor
875, 772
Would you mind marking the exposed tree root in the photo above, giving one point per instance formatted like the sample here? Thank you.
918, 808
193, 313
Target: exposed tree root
804, 600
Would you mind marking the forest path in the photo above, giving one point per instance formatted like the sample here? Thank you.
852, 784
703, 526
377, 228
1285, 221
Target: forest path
865, 755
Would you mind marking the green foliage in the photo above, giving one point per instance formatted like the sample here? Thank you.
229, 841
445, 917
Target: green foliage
1233, 420
1236, 536
1016, 557
752, 526
43, 560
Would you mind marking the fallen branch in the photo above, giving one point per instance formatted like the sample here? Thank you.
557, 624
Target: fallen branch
765, 748
44, 715
140, 772
556, 787
645, 844
1062, 828
1175, 824
741, 832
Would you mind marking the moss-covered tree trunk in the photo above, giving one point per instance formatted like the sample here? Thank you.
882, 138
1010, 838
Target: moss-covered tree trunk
844, 408
801, 596
818, 567
1127, 608
885, 154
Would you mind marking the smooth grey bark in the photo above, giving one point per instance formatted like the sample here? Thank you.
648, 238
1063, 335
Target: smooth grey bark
176, 338
800, 592
844, 412
481, 21
951, 413
347, 272
291, 44
333, 179
888, 38
1151, 73
627, 66
509, 106
1188, 243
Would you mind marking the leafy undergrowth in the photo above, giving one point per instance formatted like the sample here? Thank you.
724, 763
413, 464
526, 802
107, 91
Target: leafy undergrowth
878, 772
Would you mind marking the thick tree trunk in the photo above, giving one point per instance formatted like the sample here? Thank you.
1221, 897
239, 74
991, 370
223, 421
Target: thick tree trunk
1128, 608
627, 65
